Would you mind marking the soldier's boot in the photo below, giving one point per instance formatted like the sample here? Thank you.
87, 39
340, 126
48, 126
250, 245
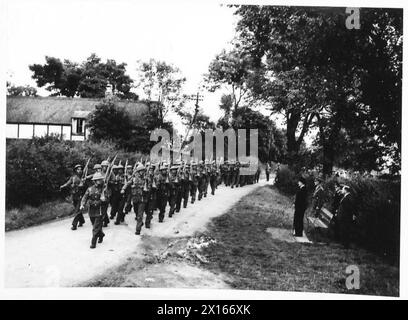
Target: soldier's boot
73, 227
100, 240
185, 203
161, 216
148, 224
93, 242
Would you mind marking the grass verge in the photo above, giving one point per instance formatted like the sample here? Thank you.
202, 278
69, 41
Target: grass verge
28, 216
252, 259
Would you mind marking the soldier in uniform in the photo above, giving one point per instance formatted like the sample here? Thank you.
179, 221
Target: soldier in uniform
193, 181
138, 195
162, 191
235, 175
151, 193
116, 187
185, 183
267, 171
107, 194
174, 187
93, 196
76, 185
125, 204
213, 177
207, 169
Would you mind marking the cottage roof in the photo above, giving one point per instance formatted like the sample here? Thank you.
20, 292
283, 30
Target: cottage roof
60, 110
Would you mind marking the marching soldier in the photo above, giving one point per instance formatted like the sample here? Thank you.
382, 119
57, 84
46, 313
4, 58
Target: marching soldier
235, 175
76, 184
162, 191
267, 171
138, 195
151, 193
185, 190
201, 179
107, 194
125, 204
213, 177
93, 196
207, 169
194, 180
116, 187
174, 189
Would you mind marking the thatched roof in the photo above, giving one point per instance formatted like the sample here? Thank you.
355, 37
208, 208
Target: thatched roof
60, 110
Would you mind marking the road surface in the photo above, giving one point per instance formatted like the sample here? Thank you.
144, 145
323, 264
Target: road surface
52, 255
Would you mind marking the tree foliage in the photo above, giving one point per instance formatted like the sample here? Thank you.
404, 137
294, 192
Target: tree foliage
310, 67
26, 91
90, 79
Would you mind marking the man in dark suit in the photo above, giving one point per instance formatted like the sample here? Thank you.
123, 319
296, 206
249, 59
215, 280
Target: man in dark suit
345, 217
300, 207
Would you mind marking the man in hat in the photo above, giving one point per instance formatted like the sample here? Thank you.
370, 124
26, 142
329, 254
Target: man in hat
267, 171
162, 191
125, 205
116, 187
76, 185
93, 197
300, 207
107, 192
138, 195
194, 181
213, 177
151, 193
185, 189
345, 217
318, 196
174, 189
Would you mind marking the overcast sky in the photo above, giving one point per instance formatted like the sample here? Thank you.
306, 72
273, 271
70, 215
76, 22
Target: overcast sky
185, 33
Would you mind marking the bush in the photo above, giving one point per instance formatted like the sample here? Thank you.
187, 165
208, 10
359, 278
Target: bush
36, 168
286, 180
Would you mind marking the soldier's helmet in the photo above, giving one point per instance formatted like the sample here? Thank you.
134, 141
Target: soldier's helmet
105, 163
78, 166
129, 166
140, 167
98, 176
115, 167
97, 166
175, 167
201, 162
119, 166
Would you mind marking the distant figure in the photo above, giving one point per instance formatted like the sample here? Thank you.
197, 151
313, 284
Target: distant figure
267, 171
300, 207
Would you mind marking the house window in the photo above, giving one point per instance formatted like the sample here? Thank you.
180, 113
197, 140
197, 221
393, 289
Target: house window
78, 126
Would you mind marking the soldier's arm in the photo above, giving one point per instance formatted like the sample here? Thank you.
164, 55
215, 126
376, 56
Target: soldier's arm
66, 184
85, 198
126, 185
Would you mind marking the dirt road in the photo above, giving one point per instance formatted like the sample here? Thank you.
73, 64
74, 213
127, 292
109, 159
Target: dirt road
52, 255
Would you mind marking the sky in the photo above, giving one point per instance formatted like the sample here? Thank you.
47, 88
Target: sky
187, 34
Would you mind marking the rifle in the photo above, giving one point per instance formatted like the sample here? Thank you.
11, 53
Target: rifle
85, 173
126, 164
107, 178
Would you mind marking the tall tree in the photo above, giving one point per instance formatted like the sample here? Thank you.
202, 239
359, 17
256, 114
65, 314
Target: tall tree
161, 82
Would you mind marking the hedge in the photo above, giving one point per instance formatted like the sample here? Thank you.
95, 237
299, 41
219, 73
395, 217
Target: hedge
36, 168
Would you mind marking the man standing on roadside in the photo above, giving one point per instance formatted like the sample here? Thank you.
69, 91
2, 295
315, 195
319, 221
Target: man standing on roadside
300, 207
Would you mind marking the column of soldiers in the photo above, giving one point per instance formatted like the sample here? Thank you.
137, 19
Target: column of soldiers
146, 187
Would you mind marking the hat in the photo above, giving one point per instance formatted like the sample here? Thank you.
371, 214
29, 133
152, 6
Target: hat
129, 166
98, 176
77, 166
119, 166
140, 167
175, 167
97, 166
105, 163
